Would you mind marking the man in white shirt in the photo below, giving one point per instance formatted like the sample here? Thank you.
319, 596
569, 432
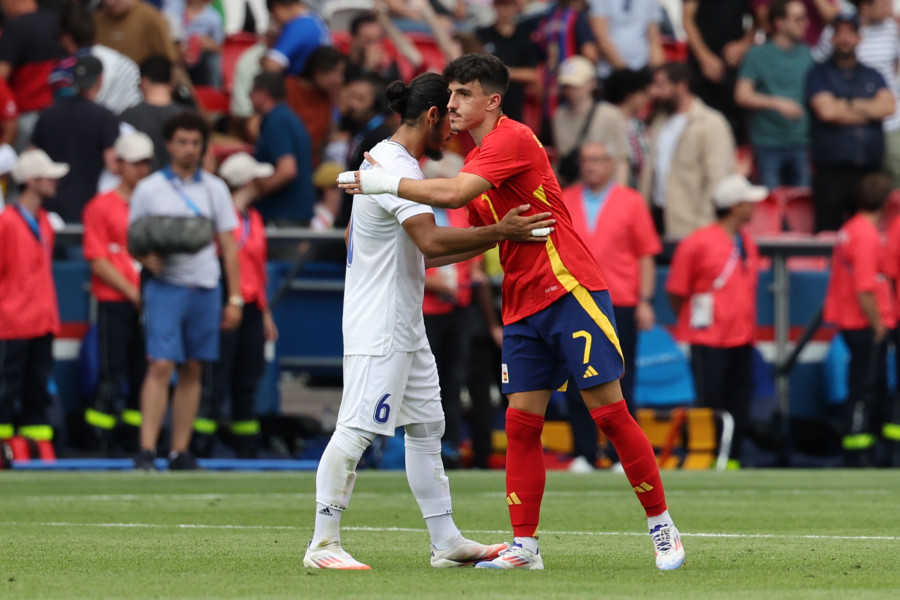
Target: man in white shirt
390, 377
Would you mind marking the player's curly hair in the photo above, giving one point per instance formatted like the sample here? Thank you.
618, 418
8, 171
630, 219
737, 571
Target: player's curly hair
423, 92
488, 70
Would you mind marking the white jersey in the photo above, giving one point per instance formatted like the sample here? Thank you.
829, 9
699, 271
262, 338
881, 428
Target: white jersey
385, 282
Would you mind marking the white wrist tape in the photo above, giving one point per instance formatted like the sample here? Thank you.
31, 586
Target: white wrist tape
376, 181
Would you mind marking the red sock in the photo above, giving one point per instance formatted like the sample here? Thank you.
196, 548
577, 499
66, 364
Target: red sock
525, 474
635, 453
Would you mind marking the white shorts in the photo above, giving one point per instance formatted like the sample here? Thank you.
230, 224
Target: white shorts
382, 393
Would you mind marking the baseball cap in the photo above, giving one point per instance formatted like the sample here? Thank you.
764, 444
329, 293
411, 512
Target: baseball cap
86, 72
241, 168
35, 163
134, 147
325, 176
735, 189
576, 70
846, 18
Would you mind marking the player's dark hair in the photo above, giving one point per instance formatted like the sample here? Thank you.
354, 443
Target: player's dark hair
622, 83
188, 121
873, 192
323, 58
157, 69
423, 92
271, 83
77, 22
360, 20
678, 73
488, 70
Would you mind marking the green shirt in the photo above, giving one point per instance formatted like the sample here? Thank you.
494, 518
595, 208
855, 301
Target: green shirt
778, 72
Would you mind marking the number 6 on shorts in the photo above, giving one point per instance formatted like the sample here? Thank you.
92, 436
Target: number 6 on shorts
382, 409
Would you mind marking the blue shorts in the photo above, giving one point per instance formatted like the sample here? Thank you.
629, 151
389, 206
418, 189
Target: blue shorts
181, 323
576, 335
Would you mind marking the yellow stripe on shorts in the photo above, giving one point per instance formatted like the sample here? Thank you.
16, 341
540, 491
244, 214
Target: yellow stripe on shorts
583, 296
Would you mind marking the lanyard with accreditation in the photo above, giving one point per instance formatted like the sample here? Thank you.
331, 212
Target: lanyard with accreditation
703, 305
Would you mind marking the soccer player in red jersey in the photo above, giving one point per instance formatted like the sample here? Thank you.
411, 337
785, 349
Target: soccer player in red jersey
557, 315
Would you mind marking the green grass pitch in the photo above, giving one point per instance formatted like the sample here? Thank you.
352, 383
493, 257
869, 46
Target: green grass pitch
748, 534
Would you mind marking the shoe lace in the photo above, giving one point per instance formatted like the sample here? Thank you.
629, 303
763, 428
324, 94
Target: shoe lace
662, 538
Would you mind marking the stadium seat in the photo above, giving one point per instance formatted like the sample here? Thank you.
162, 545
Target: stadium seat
767, 217
235, 45
797, 205
212, 100
675, 50
433, 57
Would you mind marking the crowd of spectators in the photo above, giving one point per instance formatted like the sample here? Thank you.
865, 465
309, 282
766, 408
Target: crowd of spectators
657, 100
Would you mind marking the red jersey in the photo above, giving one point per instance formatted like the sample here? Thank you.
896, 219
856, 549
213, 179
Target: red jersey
621, 235
250, 238
893, 263
859, 264
434, 304
8, 109
535, 275
105, 220
699, 260
28, 306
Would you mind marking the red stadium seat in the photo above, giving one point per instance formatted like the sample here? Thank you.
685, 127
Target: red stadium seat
766, 218
434, 59
234, 46
799, 212
212, 100
674, 50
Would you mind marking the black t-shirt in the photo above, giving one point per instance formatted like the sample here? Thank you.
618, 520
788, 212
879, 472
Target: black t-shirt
721, 21
76, 131
517, 50
29, 44
149, 118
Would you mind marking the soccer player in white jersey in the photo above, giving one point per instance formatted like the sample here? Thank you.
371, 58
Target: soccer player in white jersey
390, 377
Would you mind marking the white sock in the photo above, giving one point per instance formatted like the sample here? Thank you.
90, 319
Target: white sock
529, 543
429, 484
443, 531
661, 519
334, 482
328, 525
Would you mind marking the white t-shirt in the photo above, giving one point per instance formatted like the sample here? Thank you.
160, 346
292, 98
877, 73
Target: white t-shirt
385, 281
665, 149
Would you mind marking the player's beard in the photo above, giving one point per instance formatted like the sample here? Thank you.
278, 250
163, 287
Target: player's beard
434, 142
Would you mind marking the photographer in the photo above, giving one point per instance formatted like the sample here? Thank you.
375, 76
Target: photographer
181, 299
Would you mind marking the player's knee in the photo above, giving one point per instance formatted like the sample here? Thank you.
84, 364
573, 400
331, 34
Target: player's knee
353, 442
424, 437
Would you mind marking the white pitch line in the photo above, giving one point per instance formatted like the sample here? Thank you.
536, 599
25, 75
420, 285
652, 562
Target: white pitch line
497, 494
419, 530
